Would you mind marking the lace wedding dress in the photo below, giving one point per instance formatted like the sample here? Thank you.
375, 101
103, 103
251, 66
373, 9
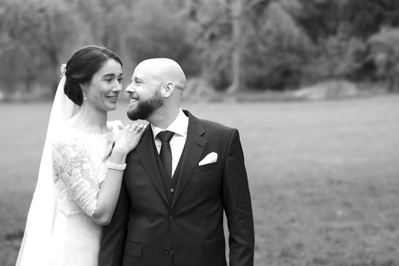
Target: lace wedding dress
79, 166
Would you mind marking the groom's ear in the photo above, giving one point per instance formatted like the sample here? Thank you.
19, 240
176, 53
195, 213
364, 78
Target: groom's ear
168, 89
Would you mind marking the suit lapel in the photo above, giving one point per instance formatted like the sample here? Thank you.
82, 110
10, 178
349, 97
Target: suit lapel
146, 152
193, 149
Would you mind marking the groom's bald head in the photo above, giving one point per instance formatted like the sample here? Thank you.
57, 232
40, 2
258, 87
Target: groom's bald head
165, 70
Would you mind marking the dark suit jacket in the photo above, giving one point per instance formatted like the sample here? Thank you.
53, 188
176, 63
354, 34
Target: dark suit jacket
148, 231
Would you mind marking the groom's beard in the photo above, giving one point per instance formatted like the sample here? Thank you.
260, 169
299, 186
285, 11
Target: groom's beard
145, 109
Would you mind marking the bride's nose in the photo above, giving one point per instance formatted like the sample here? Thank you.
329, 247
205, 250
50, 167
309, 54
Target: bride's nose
117, 87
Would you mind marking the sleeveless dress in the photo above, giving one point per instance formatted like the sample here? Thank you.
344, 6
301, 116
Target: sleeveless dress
79, 168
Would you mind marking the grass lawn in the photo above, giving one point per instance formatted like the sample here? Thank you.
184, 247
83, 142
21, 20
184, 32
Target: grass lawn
324, 176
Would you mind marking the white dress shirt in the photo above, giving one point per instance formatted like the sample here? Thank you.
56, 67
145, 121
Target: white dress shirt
179, 126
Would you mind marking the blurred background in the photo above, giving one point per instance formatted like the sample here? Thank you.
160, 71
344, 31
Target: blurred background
223, 45
312, 86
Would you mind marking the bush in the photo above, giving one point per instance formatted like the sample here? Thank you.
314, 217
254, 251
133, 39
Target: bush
332, 89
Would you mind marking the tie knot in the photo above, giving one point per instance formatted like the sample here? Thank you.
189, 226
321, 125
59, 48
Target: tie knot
165, 136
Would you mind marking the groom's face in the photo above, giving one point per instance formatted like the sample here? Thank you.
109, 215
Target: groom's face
143, 108
145, 95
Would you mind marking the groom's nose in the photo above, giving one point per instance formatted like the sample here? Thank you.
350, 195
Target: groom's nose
130, 88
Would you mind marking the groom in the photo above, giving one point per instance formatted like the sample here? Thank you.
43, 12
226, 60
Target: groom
170, 210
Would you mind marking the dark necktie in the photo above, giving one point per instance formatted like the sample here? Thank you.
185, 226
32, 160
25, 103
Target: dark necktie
166, 152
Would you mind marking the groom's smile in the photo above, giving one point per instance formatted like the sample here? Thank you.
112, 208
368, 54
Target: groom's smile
143, 108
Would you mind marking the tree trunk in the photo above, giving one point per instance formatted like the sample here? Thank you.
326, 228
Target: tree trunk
29, 81
56, 70
237, 11
395, 77
393, 84
51, 49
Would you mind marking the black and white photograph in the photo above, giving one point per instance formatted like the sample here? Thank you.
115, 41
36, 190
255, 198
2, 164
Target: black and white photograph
199, 133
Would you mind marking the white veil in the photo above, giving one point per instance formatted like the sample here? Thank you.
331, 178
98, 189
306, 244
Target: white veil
36, 243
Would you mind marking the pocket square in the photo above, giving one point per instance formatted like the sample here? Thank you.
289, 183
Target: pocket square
210, 158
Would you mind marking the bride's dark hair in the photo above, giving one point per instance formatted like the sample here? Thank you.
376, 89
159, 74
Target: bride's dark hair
81, 67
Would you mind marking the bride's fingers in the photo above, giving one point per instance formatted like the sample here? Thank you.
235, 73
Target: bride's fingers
138, 128
134, 127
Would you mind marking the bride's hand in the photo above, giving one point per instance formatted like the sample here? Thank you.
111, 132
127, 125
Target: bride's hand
128, 138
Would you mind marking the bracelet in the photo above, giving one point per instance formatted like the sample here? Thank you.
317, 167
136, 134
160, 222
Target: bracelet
119, 167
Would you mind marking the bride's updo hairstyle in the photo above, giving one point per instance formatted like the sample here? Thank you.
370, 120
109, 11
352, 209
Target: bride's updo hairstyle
81, 67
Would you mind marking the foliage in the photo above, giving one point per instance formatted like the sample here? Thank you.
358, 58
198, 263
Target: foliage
335, 58
157, 33
213, 40
385, 53
366, 17
35, 35
252, 44
320, 18
276, 50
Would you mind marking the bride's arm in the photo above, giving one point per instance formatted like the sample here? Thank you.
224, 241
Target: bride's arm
109, 192
72, 164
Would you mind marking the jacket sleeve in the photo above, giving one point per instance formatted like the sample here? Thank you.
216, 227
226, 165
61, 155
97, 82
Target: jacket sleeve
237, 205
114, 235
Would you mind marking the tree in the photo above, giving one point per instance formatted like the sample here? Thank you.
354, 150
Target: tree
336, 58
276, 50
321, 18
385, 53
237, 11
38, 33
366, 17
222, 27
159, 32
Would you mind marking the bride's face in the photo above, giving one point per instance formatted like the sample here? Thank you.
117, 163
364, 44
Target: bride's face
104, 89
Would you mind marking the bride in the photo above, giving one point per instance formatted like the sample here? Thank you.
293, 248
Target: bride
82, 164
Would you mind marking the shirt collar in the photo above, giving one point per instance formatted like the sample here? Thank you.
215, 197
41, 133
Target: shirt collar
179, 125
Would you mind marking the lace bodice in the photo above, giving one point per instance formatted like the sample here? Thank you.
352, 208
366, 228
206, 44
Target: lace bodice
80, 166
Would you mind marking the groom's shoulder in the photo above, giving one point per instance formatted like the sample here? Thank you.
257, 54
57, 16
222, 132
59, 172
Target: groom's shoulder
215, 125
210, 124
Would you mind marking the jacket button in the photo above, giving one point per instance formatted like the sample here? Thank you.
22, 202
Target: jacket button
172, 190
171, 218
